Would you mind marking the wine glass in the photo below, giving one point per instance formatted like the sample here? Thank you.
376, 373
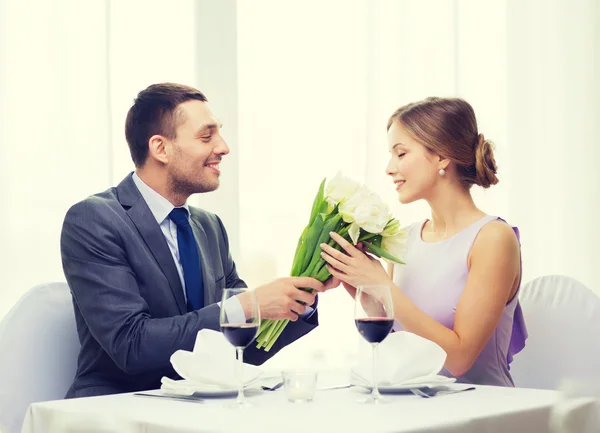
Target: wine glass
240, 330
374, 318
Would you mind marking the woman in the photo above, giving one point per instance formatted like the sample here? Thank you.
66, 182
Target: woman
462, 275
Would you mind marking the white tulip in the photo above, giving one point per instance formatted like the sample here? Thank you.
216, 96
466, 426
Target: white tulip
372, 214
348, 207
393, 228
339, 189
395, 245
354, 232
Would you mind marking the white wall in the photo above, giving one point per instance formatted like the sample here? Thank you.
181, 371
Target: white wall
303, 90
553, 111
53, 138
316, 92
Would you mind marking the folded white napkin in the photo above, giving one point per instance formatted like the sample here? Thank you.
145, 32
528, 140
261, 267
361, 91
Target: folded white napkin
402, 358
212, 362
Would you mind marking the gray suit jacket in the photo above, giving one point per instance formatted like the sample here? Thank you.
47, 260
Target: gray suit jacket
128, 299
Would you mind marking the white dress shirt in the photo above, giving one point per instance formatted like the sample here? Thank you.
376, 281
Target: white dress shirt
161, 208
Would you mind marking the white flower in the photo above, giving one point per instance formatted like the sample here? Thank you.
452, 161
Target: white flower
372, 214
396, 244
339, 189
348, 207
354, 232
393, 228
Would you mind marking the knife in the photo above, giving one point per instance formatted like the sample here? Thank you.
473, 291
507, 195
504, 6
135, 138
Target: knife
188, 398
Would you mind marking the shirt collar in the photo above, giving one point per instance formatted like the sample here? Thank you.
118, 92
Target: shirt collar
159, 206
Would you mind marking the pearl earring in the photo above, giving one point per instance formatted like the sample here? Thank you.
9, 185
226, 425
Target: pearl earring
442, 172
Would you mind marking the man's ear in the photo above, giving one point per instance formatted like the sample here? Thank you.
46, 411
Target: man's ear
157, 148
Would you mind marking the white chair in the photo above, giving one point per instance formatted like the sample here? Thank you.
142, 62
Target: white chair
38, 352
563, 321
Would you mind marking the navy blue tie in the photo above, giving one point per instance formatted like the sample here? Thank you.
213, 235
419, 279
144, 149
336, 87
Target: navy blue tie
190, 259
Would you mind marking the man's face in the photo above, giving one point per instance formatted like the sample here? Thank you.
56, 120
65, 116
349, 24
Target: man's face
196, 151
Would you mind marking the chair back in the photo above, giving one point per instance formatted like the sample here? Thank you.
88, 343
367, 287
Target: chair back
563, 322
38, 352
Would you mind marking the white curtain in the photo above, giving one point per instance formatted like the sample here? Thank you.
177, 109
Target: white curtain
306, 89
69, 71
316, 91
54, 136
553, 129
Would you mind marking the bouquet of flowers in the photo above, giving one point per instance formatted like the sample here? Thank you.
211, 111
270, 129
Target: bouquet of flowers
355, 213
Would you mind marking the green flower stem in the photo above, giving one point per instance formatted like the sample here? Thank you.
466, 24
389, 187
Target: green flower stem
299, 260
331, 225
266, 328
323, 273
313, 234
271, 332
277, 329
367, 236
280, 329
300, 252
344, 230
262, 332
380, 252
317, 203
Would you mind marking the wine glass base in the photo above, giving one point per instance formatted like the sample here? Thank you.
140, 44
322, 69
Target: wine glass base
374, 400
243, 404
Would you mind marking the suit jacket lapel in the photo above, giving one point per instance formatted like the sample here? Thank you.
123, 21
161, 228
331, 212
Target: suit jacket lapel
208, 277
142, 217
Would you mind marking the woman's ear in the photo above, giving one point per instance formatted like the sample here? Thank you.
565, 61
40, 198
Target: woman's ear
443, 163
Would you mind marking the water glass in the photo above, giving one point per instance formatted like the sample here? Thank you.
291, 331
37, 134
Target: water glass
300, 386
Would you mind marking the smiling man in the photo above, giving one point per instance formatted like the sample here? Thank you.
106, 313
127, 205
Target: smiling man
146, 270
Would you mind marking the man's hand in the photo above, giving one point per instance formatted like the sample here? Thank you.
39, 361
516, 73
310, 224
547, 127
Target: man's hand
283, 299
331, 283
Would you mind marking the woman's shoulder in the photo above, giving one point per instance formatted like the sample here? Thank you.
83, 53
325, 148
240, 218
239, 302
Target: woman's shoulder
499, 227
497, 236
414, 228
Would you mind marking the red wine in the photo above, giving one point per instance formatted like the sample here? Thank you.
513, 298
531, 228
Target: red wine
374, 329
240, 335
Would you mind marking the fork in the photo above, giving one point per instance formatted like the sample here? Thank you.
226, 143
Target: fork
272, 388
427, 392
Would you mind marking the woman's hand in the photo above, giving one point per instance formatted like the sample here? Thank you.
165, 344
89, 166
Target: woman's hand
350, 289
354, 268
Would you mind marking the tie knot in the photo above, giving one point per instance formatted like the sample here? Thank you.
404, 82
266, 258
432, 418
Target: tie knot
179, 216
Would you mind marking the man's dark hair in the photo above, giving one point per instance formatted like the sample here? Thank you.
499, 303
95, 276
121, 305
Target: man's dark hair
155, 111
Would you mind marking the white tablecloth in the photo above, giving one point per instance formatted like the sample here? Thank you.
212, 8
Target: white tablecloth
484, 410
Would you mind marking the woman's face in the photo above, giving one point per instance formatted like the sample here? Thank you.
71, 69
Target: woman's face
413, 168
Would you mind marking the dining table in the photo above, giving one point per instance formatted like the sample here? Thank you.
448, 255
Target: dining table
335, 407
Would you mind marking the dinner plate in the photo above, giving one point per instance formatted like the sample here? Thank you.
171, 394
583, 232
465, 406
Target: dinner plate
186, 387
422, 382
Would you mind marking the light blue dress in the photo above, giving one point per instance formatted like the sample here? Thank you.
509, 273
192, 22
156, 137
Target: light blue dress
434, 278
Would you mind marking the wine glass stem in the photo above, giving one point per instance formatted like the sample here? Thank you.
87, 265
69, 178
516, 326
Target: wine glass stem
240, 374
375, 388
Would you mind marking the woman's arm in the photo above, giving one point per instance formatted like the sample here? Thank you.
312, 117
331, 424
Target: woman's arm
494, 273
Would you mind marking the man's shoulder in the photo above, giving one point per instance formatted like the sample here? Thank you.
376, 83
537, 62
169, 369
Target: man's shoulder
203, 216
119, 197
94, 205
